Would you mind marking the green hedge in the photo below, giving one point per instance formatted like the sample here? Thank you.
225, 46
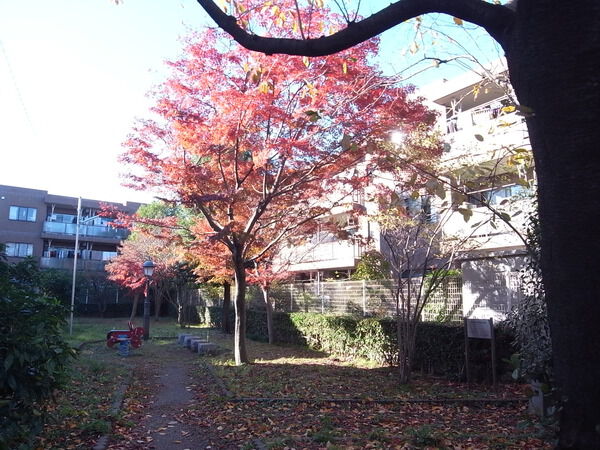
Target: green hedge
439, 348
122, 309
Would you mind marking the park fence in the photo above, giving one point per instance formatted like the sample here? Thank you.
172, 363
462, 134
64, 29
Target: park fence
361, 298
366, 298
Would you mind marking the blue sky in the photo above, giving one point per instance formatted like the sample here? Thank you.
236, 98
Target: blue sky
74, 74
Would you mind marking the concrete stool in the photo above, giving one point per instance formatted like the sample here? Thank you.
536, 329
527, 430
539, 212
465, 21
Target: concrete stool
207, 348
187, 341
181, 337
194, 343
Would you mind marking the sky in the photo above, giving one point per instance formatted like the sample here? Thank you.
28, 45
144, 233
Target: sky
74, 76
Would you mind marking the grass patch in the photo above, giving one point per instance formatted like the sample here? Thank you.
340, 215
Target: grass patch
326, 432
86, 329
424, 436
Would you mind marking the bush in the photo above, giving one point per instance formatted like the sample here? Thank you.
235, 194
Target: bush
440, 347
33, 354
529, 318
372, 266
123, 309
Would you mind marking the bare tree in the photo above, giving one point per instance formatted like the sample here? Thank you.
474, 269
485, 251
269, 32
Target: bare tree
421, 259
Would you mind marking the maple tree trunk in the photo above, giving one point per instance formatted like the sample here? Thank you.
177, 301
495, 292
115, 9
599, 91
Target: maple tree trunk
403, 376
269, 309
136, 298
180, 319
406, 334
553, 62
225, 328
402, 338
241, 355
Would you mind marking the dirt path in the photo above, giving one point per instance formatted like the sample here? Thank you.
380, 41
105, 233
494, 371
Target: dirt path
168, 371
163, 421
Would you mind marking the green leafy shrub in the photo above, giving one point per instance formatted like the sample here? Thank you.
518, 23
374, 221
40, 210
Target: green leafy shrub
33, 354
440, 347
372, 266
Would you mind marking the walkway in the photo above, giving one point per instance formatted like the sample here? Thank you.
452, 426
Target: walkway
168, 370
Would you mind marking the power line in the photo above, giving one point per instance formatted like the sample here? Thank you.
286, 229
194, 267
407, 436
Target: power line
16, 86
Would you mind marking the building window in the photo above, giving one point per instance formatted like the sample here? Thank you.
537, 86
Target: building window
498, 196
19, 249
420, 207
22, 213
351, 222
358, 197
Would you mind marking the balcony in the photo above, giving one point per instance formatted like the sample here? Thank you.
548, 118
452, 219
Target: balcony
89, 231
485, 127
326, 255
489, 234
84, 265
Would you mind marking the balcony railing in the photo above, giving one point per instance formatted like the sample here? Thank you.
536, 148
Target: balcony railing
85, 230
485, 115
85, 265
66, 253
325, 255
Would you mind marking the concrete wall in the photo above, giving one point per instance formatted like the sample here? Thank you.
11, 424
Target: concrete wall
491, 286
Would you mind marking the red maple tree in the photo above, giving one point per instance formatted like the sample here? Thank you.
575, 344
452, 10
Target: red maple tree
126, 268
258, 146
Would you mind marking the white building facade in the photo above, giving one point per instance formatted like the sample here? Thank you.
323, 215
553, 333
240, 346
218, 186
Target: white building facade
488, 177
487, 151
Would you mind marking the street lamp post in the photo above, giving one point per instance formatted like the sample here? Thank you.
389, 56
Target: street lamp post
148, 267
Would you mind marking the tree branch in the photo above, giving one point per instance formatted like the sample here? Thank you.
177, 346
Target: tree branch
494, 18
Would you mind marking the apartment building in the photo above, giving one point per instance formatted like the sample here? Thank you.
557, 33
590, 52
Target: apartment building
485, 146
487, 154
324, 255
44, 226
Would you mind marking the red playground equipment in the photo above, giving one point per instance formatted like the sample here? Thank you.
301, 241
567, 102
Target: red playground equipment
133, 335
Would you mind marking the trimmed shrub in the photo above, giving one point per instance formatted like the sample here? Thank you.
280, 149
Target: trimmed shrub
440, 347
123, 309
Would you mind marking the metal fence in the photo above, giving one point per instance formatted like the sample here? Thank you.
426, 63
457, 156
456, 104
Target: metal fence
359, 297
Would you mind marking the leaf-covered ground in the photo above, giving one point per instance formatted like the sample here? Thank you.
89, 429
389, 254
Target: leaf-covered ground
285, 372
317, 417
82, 411
288, 398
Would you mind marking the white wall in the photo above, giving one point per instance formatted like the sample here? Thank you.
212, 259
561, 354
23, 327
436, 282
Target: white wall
491, 286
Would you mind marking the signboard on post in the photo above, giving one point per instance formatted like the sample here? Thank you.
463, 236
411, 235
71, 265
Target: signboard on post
480, 329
